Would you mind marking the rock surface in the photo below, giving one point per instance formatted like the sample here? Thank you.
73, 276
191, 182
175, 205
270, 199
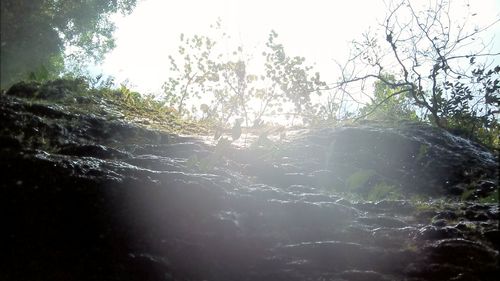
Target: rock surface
86, 198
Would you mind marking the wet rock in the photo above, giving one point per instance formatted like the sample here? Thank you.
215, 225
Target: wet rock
445, 215
439, 222
24, 90
435, 233
493, 236
493, 212
395, 206
318, 198
462, 253
432, 160
87, 198
358, 275
90, 150
149, 268
475, 216
298, 178
354, 234
485, 188
300, 189
48, 111
435, 271
327, 179
425, 216
10, 143
333, 254
464, 226
382, 221
458, 189
158, 163
396, 238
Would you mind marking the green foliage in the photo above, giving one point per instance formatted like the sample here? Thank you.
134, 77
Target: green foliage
42, 38
477, 97
204, 73
48, 72
426, 204
492, 198
87, 95
358, 184
390, 103
361, 185
422, 152
293, 78
192, 76
359, 179
431, 53
39, 34
223, 81
467, 194
40, 75
383, 190
473, 106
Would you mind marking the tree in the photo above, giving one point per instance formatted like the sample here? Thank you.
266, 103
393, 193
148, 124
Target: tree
471, 116
223, 83
389, 103
45, 33
200, 73
190, 77
435, 59
293, 78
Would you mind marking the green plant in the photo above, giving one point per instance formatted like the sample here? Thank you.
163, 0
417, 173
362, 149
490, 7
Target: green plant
201, 71
466, 194
51, 32
383, 190
359, 179
421, 203
77, 96
423, 150
440, 72
492, 198
293, 78
41, 74
424, 204
390, 102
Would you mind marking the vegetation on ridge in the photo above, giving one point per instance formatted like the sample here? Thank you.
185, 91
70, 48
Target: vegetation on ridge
96, 97
433, 76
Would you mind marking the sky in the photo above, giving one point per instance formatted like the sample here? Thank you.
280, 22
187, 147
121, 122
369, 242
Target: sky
319, 30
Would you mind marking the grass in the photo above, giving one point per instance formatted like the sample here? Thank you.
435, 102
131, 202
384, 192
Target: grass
384, 191
492, 198
359, 179
78, 97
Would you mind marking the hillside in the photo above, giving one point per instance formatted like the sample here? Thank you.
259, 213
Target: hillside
98, 186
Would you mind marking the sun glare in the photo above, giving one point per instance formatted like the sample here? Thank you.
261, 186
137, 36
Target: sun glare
319, 31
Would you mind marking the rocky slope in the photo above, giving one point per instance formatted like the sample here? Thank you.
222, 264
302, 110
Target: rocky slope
89, 198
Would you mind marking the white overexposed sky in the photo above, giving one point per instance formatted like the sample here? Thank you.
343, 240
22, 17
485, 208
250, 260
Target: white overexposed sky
319, 30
